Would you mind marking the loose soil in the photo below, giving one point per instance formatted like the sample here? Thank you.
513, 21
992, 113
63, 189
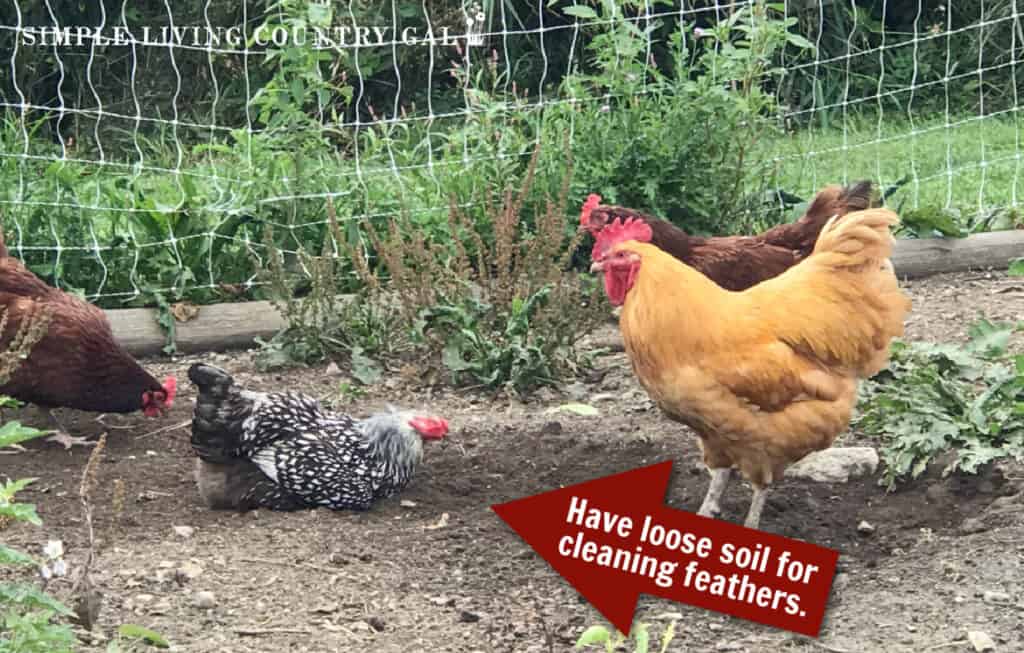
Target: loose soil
435, 570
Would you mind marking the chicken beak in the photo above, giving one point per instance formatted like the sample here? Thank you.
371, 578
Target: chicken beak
580, 229
596, 266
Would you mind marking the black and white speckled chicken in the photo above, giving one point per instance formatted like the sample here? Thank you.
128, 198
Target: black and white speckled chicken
284, 451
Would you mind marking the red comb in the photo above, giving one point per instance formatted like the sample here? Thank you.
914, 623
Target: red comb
171, 388
617, 231
430, 428
592, 201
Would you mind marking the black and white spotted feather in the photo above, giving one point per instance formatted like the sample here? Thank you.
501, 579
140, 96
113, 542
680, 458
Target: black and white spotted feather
284, 451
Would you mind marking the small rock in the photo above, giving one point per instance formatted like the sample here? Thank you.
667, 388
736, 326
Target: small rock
440, 523
405, 503
835, 465
576, 391
326, 608
551, 428
442, 600
187, 571
144, 599
165, 576
865, 528
360, 626
467, 617
995, 597
337, 559
205, 600
981, 641
184, 531
972, 525
668, 616
377, 624
161, 608
332, 369
95, 638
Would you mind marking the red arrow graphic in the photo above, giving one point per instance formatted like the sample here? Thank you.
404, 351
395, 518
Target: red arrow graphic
613, 540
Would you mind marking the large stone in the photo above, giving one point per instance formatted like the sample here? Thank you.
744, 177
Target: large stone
981, 641
835, 465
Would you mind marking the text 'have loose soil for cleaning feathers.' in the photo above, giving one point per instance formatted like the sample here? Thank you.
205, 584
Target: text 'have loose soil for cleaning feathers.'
613, 540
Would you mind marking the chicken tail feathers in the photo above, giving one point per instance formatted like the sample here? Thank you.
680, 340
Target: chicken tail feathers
210, 380
851, 274
829, 202
839, 200
857, 239
857, 196
219, 416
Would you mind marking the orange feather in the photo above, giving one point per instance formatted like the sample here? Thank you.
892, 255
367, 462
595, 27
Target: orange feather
769, 374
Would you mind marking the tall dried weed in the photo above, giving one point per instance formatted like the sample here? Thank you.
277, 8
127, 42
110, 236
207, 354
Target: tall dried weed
495, 305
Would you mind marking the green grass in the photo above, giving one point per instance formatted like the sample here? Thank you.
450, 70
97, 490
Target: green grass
972, 165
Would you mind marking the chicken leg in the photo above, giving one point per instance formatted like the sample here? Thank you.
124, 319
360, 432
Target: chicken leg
719, 480
55, 420
61, 435
756, 506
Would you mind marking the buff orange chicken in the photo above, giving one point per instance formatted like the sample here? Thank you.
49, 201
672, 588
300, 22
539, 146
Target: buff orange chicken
767, 375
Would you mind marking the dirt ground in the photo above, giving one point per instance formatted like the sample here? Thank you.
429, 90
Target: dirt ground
403, 577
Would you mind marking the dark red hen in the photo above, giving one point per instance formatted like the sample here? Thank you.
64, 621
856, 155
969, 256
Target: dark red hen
78, 363
739, 262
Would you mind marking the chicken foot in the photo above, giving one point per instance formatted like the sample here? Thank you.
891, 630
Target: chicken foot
719, 480
61, 435
756, 506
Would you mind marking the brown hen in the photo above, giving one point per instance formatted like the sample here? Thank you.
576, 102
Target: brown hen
78, 363
739, 262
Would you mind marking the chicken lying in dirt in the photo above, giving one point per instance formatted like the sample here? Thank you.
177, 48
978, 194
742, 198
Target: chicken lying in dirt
284, 451
767, 375
739, 262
